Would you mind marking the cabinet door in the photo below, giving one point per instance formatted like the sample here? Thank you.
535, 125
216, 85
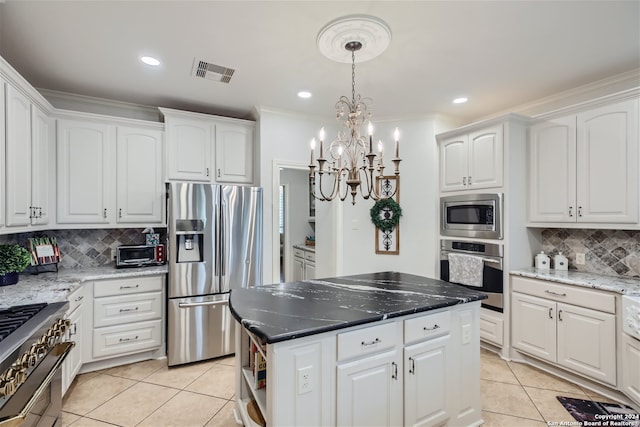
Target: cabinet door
631, 368
18, 158
586, 342
42, 139
234, 153
486, 163
427, 386
2, 150
552, 171
533, 325
369, 391
139, 175
309, 270
73, 362
189, 149
453, 164
298, 269
607, 173
84, 172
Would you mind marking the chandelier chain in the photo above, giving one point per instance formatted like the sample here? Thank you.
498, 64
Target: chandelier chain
353, 76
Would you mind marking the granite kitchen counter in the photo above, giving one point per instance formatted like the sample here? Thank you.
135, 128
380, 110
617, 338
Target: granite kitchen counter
292, 310
304, 247
621, 285
54, 287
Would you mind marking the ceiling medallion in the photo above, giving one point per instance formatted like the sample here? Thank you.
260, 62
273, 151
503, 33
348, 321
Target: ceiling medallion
351, 162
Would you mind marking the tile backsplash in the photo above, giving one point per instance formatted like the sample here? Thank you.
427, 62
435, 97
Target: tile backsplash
610, 252
87, 248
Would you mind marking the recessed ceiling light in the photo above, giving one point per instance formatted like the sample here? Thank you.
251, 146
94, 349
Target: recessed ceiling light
460, 100
304, 94
149, 60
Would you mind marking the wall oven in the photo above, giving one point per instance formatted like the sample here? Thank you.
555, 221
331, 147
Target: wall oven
472, 215
32, 352
475, 265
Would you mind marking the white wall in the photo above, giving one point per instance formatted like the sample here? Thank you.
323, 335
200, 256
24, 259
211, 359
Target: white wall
297, 182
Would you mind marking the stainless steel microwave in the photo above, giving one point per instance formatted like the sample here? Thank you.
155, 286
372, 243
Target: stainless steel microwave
472, 215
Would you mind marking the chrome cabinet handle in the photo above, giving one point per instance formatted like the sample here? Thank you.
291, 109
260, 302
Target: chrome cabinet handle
560, 315
120, 213
128, 339
104, 213
218, 172
395, 370
367, 344
555, 293
579, 210
412, 369
80, 298
571, 211
436, 326
207, 171
124, 310
464, 180
469, 180
550, 313
130, 287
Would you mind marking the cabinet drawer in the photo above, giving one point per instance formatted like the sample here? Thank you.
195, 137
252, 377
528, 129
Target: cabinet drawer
129, 338
310, 256
121, 309
298, 252
492, 328
103, 288
75, 298
589, 298
368, 340
426, 327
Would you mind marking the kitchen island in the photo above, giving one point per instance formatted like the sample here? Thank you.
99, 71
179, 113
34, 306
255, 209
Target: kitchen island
372, 349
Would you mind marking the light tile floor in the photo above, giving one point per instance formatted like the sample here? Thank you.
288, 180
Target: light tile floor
201, 394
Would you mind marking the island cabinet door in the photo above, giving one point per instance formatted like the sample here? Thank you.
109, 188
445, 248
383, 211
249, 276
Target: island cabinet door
370, 391
427, 382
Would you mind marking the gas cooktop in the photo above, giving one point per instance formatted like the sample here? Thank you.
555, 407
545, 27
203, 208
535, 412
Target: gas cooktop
12, 318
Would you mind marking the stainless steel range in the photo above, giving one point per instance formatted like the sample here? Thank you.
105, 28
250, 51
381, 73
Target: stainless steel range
31, 355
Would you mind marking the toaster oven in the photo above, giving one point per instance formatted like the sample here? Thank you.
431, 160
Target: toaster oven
140, 256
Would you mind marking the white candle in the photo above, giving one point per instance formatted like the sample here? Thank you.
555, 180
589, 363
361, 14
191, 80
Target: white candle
313, 147
321, 142
370, 129
396, 135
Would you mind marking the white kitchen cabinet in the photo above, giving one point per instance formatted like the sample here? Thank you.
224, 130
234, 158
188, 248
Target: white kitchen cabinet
85, 172
551, 321
631, 367
139, 188
473, 160
72, 364
197, 141
127, 316
584, 167
304, 264
234, 153
42, 133
2, 150
18, 158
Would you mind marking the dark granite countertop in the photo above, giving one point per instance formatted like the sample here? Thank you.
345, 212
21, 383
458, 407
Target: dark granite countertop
292, 310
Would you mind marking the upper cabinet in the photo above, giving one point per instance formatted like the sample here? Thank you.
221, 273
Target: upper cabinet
472, 160
109, 173
28, 137
196, 141
583, 168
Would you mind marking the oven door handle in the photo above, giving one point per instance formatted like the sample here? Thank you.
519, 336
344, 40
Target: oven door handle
63, 350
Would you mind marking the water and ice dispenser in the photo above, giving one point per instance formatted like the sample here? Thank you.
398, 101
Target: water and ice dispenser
190, 240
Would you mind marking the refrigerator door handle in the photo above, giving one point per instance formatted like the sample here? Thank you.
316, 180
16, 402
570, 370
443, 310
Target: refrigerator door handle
223, 241
198, 304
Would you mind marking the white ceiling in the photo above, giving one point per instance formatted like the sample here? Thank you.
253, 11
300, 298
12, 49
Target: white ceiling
500, 54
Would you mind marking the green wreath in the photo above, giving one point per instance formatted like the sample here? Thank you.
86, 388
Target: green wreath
385, 214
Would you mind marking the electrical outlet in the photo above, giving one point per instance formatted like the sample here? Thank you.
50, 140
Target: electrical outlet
305, 380
466, 334
580, 259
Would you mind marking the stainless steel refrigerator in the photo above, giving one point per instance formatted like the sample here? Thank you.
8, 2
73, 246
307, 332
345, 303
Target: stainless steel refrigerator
215, 245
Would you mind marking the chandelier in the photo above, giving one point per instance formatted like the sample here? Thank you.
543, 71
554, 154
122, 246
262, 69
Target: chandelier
351, 161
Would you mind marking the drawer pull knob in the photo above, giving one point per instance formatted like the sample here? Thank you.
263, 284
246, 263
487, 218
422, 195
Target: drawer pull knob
555, 293
374, 342
436, 326
130, 287
128, 339
123, 310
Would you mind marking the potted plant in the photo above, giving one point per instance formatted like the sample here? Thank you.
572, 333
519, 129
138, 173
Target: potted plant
13, 260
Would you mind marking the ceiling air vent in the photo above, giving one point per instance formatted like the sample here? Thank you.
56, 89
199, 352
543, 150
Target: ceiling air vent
214, 72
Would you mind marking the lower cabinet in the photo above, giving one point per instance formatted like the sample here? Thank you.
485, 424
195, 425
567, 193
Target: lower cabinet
127, 316
72, 364
580, 338
631, 368
417, 370
304, 264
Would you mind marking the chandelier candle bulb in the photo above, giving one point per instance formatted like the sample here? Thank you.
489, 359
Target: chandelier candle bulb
313, 147
396, 136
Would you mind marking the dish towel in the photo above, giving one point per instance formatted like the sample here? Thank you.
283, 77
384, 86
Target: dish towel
466, 269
